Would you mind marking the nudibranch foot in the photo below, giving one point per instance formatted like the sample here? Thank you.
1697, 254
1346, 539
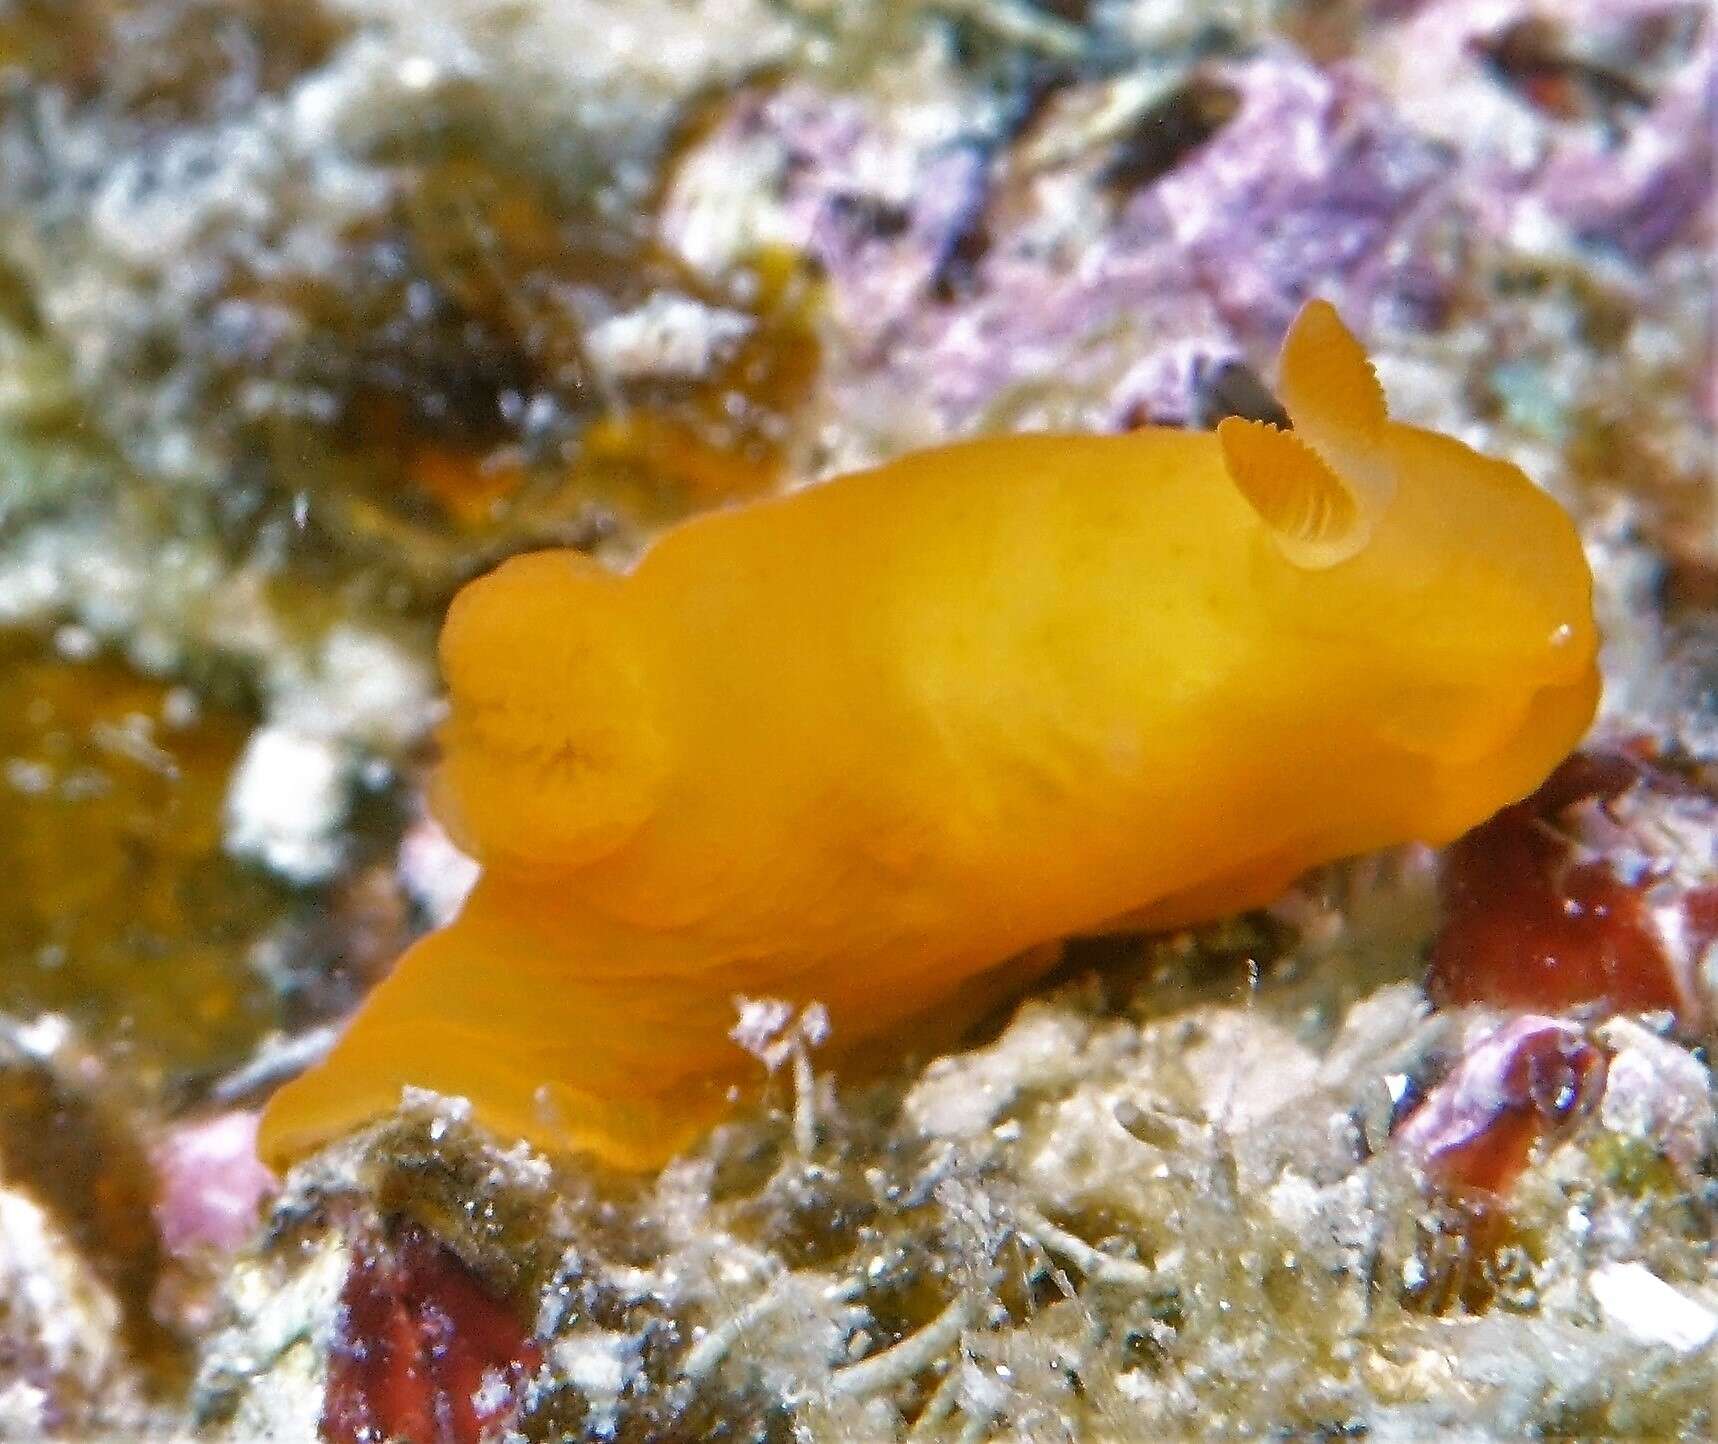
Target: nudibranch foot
551, 1083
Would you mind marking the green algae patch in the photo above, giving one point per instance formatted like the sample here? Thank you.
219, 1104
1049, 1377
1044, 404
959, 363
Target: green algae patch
499, 364
122, 912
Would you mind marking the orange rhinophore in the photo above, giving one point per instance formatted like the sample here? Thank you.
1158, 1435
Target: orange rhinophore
864, 743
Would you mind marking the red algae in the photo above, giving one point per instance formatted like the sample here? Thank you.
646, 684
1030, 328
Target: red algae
1525, 1083
1701, 911
1578, 897
422, 1352
377, 1386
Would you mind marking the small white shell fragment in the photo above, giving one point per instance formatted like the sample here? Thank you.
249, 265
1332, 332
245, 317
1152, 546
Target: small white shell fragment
1640, 1303
286, 802
667, 335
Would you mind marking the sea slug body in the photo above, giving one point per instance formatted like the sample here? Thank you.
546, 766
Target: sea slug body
866, 742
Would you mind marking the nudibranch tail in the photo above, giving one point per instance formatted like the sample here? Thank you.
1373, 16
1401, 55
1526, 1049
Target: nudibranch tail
570, 1058
520, 1094
1332, 396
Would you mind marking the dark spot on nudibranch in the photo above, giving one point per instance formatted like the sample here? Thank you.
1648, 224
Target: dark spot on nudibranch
1232, 388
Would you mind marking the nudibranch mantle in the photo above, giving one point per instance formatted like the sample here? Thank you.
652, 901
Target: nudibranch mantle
866, 742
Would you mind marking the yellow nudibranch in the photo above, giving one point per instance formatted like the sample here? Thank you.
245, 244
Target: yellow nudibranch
866, 742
